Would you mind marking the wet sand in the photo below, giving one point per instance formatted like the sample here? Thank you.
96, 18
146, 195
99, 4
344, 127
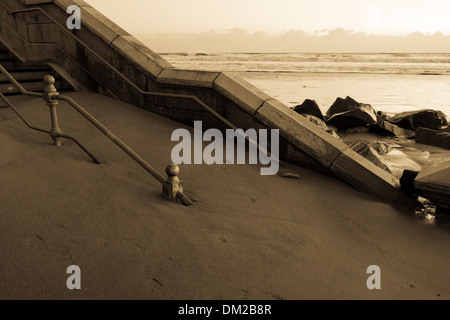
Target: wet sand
248, 236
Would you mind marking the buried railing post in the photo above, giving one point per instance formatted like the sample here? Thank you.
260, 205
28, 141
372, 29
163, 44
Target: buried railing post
172, 186
50, 96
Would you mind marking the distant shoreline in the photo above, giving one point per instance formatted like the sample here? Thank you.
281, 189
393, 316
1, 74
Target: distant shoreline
390, 82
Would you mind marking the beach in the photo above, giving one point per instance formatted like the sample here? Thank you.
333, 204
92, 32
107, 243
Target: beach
391, 83
248, 237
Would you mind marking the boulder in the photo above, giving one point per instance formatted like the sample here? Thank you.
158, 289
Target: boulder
385, 127
434, 180
348, 113
310, 107
344, 105
334, 134
433, 137
426, 118
321, 124
381, 148
316, 121
364, 149
353, 118
407, 184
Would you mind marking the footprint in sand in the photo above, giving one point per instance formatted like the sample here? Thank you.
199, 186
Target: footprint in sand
271, 296
260, 295
224, 240
154, 285
225, 169
253, 195
101, 244
133, 245
54, 249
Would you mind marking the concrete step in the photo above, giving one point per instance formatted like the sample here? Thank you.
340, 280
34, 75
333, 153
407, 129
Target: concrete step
4, 55
8, 89
35, 75
29, 75
8, 64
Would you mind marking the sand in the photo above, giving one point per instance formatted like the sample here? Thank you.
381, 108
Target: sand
248, 236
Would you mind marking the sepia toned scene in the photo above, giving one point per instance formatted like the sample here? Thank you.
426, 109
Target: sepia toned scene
224, 150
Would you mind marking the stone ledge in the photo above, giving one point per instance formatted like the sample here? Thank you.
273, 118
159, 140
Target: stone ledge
64, 4
31, 2
95, 21
191, 78
366, 176
129, 47
241, 92
301, 132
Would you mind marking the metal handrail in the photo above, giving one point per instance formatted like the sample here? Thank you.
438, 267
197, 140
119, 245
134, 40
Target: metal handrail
136, 87
53, 95
112, 137
120, 74
17, 112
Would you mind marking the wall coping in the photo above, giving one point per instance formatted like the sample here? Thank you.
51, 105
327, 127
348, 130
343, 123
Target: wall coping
331, 152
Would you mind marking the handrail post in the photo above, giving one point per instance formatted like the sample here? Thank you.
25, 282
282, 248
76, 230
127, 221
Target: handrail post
172, 186
50, 96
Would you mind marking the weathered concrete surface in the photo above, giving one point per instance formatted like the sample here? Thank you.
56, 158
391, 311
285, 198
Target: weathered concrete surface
241, 92
301, 132
33, 39
366, 176
130, 48
190, 78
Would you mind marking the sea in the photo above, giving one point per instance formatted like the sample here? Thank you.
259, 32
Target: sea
390, 82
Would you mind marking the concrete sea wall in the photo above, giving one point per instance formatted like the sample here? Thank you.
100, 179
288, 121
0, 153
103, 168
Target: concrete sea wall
33, 37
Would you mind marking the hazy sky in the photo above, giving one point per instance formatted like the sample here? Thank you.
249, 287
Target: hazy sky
370, 16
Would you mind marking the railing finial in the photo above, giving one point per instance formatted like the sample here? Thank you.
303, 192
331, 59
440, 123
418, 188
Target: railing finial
49, 82
50, 96
172, 186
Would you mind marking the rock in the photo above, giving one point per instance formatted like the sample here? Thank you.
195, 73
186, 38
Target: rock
344, 105
407, 184
321, 124
348, 113
332, 128
433, 137
354, 118
310, 107
382, 115
426, 118
364, 149
381, 148
334, 134
357, 130
316, 121
287, 173
385, 127
434, 180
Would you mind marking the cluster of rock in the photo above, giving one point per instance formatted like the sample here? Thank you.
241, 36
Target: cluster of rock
427, 126
352, 116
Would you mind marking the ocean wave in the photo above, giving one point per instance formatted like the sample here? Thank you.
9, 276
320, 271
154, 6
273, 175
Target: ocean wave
388, 63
